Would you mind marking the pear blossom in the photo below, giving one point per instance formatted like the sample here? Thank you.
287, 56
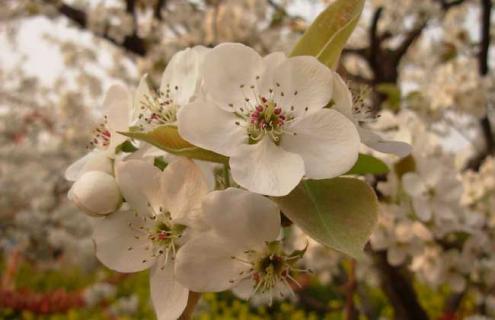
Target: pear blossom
240, 251
356, 110
267, 114
163, 213
116, 109
96, 193
438, 267
433, 190
179, 84
401, 237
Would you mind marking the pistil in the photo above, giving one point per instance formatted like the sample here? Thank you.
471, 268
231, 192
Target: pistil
270, 268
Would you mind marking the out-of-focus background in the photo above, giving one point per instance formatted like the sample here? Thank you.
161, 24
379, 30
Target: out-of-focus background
424, 65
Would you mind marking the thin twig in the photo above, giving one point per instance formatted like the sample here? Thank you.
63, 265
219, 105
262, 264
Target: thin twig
350, 312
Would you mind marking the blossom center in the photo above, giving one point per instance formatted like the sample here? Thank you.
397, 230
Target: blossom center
159, 109
163, 234
361, 109
270, 268
102, 136
265, 118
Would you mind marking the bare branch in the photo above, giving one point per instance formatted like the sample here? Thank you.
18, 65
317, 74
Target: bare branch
486, 6
350, 311
399, 290
446, 4
409, 39
361, 52
374, 39
157, 12
483, 67
132, 43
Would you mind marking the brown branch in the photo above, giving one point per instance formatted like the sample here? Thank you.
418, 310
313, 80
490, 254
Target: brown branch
484, 68
374, 39
360, 52
446, 5
192, 301
408, 41
350, 311
157, 12
132, 43
397, 286
486, 6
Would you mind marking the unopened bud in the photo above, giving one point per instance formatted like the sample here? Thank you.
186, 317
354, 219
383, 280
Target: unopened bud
96, 193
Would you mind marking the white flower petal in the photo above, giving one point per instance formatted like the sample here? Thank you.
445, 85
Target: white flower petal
139, 182
266, 168
247, 219
117, 106
96, 193
205, 264
422, 208
182, 74
303, 83
96, 160
245, 288
169, 297
143, 92
120, 245
270, 62
342, 96
327, 141
376, 142
209, 127
183, 187
229, 71
413, 184
273, 60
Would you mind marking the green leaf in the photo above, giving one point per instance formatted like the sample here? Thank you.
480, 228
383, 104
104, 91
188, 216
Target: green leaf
393, 94
326, 37
367, 164
168, 139
339, 213
160, 163
126, 147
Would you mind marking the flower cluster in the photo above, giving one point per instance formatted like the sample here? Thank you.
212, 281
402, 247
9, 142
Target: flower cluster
434, 221
279, 120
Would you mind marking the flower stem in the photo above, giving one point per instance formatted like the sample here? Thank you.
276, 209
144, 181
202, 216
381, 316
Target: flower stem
192, 301
226, 175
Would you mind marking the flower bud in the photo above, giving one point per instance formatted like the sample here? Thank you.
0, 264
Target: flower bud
96, 193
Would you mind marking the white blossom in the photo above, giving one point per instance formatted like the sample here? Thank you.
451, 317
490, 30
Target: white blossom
241, 251
179, 84
163, 213
267, 114
433, 189
117, 110
361, 116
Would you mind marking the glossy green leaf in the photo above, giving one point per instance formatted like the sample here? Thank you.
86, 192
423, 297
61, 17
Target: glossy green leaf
326, 37
367, 164
339, 213
168, 139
